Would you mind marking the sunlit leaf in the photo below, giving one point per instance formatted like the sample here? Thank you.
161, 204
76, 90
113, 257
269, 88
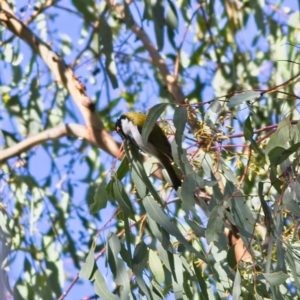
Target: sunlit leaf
242, 97
101, 288
156, 267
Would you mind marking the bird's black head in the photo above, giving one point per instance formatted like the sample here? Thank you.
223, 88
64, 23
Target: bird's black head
119, 128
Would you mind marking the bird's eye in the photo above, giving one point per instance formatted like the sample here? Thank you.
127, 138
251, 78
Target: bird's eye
118, 129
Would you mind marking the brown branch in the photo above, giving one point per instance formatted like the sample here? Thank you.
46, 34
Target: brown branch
50, 134
63, 74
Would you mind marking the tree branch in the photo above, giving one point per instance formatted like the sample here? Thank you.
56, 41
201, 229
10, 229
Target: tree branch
61, 130
63, 74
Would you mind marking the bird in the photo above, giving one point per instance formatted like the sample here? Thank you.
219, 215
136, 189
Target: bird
130, 125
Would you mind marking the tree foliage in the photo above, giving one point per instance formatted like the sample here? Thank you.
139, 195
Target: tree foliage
221, 77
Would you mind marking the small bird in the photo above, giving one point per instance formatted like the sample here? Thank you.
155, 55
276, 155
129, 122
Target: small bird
131, 124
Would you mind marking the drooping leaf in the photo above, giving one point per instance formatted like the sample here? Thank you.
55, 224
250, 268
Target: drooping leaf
100, 198
89, 265
156, 267
156, 213
215, 224
172, 16
276, 278
243, 217
117, 265
151, 119
101, 288
140, 258
122, 197
237, 286
201, 281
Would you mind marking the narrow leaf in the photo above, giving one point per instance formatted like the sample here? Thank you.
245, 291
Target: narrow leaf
156, 267
100, 198
151, 119
140, 258
236, 286
101, 288
156, 213
276, 278
215, 224
88, 266
122, 198
242, 97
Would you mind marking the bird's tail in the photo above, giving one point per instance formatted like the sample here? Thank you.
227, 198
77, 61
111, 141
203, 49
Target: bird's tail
171, 172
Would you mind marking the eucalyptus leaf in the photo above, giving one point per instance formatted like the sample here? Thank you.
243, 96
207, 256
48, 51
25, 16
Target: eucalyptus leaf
100, 198
276, 278
151, 119
101, 288
242, 97
156, 213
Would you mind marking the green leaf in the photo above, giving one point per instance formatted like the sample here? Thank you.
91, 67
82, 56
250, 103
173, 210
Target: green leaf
156, 213
181, 159
142, 179
156, 267
276, 278
280, 137
89, 264
212, 113
201, 282
278, 155
117, 265
55, 269
291, 258
100, 198
140, 258
160, 234
128, 16
236, 286
242, 97
138, 181
215, 225
106, 43
159, 22
172, 17
187, 191
248, 130
122, 197
178, 281
180, 119
289, 200
243, 217
101, 288
151, 119
294, 20
87, 8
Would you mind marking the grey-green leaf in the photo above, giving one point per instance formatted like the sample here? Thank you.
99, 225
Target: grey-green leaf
101, 288
151, 119
276, 278
242, 97
157, 214
100, 198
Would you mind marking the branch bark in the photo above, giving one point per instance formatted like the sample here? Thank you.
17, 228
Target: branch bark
61, 130
63, 74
